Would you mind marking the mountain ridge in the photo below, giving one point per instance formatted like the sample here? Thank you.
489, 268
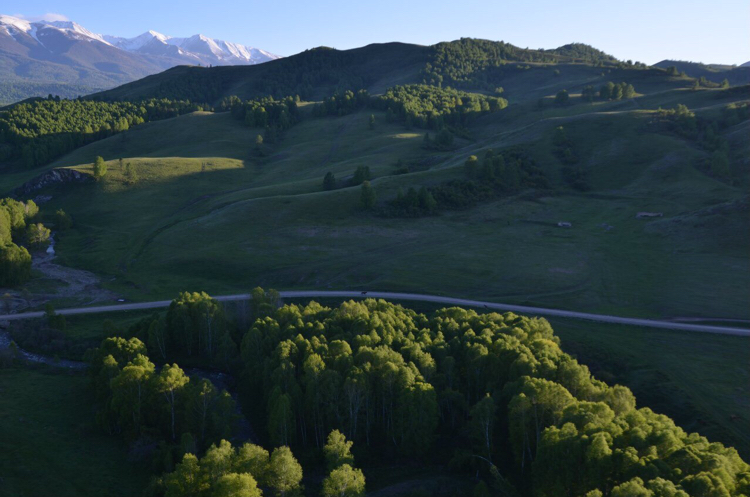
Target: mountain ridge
66, 57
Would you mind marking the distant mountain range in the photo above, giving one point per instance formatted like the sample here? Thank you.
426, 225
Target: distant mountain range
69, 60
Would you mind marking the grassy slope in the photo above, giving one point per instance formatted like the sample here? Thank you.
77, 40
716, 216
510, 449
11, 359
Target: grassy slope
247, 220
54, 447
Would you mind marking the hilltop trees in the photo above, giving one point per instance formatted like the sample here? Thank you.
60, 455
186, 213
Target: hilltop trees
38, 131
429, 107
342, 103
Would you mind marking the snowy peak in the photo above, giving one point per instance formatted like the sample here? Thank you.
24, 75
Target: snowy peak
197, 49
14, 26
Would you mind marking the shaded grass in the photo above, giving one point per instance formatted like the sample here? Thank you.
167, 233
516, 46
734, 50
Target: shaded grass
699, 380
49, 444
266, 221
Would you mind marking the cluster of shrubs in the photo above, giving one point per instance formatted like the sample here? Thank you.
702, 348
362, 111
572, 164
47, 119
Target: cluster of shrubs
499, 173
275, 116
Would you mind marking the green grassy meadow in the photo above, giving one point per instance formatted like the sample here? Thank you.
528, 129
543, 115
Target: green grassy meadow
49, 442
210, 213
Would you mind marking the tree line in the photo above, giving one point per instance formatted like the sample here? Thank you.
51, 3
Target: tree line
480, 64
505, 401
430, 107
499, 173
37, 132
343, 103
705, 132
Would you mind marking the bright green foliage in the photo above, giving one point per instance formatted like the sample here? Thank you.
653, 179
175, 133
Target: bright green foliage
236, 485
223, 472
344, 481
129, 390
255, 460
37, 235
619, 91
367, 197
5, 227
99, 168
170, 383
285, 473
338, 450
15, 261
377, 371
433, 108
15, 265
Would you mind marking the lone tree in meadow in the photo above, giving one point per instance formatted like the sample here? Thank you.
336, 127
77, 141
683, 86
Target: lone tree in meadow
368, 197
562, 97
329, 181
100, 168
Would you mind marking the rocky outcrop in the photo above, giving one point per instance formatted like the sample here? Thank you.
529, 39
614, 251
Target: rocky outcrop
52, 177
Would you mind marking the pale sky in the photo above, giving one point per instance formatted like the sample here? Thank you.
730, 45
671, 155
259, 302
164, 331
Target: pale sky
646, 31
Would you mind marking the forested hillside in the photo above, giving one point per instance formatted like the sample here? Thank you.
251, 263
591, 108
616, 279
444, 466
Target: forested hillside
321, 71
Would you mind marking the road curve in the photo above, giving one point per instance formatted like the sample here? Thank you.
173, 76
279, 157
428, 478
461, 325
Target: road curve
540, 311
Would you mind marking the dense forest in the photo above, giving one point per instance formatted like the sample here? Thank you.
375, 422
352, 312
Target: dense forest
489, 394
425, 106
38, 131
479, 64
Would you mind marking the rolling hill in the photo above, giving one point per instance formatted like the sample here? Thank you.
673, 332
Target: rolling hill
632, 204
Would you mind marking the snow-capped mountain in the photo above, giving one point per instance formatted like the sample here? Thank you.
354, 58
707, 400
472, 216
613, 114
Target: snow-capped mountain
198, 49
41, 55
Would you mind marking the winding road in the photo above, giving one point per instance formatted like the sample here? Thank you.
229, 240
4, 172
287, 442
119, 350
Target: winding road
602, 318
